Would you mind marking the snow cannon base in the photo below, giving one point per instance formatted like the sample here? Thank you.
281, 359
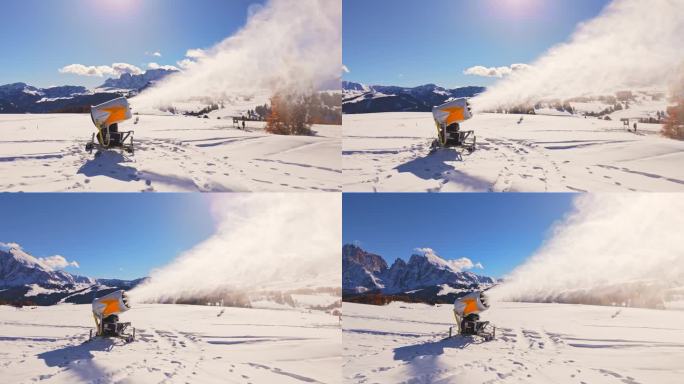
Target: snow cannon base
121, 140
112, 328
453, 137
483, 329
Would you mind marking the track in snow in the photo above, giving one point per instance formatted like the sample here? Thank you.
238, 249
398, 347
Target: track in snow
386, 152
535, 343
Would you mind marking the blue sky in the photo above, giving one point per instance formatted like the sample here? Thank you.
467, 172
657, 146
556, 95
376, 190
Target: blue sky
41, 36
498, 230
409, 43
136, 231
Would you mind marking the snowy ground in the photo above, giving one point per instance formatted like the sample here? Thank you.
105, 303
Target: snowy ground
536, 343
175, 344
390, 152
173, 153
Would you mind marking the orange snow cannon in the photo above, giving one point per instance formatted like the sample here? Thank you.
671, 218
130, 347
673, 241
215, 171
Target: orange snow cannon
106, 117
448, 118
467, 311
106, 310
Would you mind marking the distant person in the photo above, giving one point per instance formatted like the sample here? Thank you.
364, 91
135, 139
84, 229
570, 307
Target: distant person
243, 123
635, 125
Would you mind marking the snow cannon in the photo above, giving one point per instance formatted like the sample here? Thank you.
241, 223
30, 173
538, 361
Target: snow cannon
106, 118
448, 118
467, 311
106, 310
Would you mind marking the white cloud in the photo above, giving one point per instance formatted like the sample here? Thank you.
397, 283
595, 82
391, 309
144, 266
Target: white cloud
479, 70
57, 262
345, 69
157, 54
121, 68
8, 246
166, 67
196, 53
186, 63
456, 265
116, 69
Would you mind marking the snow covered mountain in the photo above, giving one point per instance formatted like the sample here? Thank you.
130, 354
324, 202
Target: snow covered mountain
136, 83
24, 98
18, 268
27, 279
361, 98
424, 276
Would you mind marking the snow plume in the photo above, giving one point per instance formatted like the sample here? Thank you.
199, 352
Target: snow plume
263, 242
286, 46
632, 44
613, 249
456, 265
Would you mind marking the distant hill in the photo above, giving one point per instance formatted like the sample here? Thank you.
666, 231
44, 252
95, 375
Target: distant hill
24, 98
361, 98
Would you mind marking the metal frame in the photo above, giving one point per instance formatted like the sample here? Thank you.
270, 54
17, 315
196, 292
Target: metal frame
484, 329
447, 139
119, 334
100, 143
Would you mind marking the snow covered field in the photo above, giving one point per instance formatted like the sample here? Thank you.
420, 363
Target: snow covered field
390, 152
46, 153
174, 344
536, 343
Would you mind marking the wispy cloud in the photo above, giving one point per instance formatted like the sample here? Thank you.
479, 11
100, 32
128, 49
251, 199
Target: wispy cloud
58, 262
116, 70
159, 66
482, 71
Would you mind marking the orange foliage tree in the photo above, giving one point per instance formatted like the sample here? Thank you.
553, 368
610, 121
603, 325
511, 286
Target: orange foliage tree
674, 124
289, 115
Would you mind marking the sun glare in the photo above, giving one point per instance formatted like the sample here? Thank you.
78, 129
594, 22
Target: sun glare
517, 8
118, 6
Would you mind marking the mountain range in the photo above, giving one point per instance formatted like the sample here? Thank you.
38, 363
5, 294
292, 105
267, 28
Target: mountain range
361, 98
25, 279
24, 98
425, 277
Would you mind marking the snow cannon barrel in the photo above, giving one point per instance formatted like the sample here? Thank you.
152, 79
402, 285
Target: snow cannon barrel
109, 113
472, 303
111, 304
452, 112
